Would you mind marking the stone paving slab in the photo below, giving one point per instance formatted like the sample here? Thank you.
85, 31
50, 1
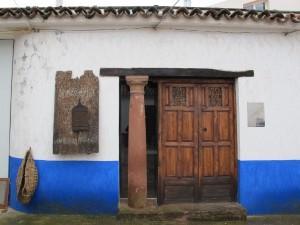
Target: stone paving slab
228, 211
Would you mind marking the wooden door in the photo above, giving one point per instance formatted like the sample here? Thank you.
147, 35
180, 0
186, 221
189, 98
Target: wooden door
217, 159
178, 164
196, 142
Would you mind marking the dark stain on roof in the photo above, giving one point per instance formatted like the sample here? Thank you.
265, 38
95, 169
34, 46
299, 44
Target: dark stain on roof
152, 11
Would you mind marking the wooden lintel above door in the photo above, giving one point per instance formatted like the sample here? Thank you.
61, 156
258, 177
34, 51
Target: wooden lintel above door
175, 72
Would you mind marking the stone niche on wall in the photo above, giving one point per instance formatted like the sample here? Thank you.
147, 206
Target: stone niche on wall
76, 113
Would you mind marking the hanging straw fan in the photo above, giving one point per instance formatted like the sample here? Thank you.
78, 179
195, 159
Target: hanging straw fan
27, 179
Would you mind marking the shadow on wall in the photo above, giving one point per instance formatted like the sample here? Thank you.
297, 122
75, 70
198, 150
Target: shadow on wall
269, 187
70, 187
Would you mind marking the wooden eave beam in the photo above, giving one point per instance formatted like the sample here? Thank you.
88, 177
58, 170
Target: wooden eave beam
175, 72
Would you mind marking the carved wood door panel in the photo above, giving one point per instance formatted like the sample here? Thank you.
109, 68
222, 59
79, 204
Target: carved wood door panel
196, 142
217, 158
179, 143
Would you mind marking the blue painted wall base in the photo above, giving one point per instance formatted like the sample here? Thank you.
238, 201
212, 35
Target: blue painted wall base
269, 187
70, 187
88, 187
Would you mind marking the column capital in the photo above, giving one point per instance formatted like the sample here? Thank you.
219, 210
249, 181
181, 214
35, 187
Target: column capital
137, 83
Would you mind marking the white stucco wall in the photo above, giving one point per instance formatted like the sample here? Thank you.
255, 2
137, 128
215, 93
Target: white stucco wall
37, 58
274, 58
289, 5
6, 57
293, 5
230, 4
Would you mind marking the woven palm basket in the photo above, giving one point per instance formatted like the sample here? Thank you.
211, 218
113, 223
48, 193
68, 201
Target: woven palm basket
27, 179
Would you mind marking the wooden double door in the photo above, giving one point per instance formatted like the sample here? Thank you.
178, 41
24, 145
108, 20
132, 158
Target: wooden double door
197, 149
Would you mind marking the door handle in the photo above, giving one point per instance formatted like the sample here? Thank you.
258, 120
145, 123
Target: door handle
204, 129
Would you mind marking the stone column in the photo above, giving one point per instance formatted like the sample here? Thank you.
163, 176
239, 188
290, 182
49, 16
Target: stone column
137, 153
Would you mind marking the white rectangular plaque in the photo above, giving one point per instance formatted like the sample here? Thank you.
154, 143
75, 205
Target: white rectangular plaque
256, 114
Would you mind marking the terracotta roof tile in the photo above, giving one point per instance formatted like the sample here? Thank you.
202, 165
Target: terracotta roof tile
153, 11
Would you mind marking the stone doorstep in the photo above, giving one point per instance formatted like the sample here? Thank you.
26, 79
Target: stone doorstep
150, 202
3, 211
10, 211
227, 211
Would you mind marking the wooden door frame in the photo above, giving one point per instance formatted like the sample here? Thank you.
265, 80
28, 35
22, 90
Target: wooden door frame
160, 120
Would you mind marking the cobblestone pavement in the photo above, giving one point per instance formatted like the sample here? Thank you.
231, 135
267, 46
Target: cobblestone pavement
13, 218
